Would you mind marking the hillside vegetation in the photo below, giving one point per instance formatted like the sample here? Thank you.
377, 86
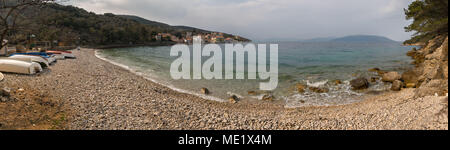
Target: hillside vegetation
76, 26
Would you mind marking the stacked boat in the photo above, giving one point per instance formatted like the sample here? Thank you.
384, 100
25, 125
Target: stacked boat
33, 62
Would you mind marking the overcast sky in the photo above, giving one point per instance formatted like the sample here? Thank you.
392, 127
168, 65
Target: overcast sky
269, 19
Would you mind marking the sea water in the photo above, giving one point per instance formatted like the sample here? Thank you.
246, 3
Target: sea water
316, 64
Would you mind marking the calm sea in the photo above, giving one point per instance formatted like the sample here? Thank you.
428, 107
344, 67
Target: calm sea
315, 64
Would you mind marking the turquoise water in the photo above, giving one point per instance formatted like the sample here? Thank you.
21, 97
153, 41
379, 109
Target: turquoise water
315, 64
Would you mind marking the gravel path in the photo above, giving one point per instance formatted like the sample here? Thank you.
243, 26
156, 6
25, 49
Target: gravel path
104, 96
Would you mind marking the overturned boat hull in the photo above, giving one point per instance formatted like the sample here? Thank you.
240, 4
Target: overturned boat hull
38, 59
20, 67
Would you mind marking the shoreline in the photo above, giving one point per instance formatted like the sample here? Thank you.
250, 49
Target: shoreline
103, 96
212, 98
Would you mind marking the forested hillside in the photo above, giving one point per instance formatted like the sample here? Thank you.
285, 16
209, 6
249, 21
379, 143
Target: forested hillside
76, 26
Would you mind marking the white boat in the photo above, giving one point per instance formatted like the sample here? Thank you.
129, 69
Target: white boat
66, 54
38, 59
21, 67
59, 56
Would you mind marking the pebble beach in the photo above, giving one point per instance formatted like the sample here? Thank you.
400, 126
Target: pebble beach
98, 95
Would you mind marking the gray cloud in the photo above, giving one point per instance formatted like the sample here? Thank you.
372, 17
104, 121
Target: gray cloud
268, 19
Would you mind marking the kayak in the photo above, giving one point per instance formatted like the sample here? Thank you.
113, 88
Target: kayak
29, 58
66, 54
21, 67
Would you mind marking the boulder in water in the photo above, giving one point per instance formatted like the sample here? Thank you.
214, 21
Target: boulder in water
410, 77
204, 91
233, 99
374, 70
319, 90
337, 82
301, 87
268, 97
391, 76
359, 84
252, 93
374, 79
397, 85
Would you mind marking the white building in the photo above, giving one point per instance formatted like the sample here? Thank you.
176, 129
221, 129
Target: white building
197, 39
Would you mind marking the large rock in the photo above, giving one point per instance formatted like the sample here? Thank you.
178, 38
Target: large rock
268, 97
397, 85
319, 90
410, 77
391, 76
337, 82
253, 93
204, 91
359, 84
233, 99
377, 70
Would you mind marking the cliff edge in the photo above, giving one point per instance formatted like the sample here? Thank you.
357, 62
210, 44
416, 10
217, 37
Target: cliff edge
431, 72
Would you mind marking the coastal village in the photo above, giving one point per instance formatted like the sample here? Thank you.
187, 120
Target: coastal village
213, 37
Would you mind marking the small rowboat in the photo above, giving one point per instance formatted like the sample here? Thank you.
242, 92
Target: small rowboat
29, 58
21, 67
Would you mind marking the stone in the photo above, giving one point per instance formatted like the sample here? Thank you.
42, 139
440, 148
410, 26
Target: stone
268, 97
410, 77
252, 93
5, 92
233, 99
301, 87
374, 79
391, 76
410, 85
374, 70
337, 82
359, 84
204, 91
397, 85
319, 90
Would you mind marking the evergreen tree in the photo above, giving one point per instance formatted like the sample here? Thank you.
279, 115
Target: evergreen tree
430, 19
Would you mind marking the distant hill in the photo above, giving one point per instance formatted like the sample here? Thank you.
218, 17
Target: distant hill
163, 25
325, 39
144, 21
364, 38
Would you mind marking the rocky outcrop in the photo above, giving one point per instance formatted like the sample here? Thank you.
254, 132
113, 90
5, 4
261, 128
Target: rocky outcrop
359, 84
431, 68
